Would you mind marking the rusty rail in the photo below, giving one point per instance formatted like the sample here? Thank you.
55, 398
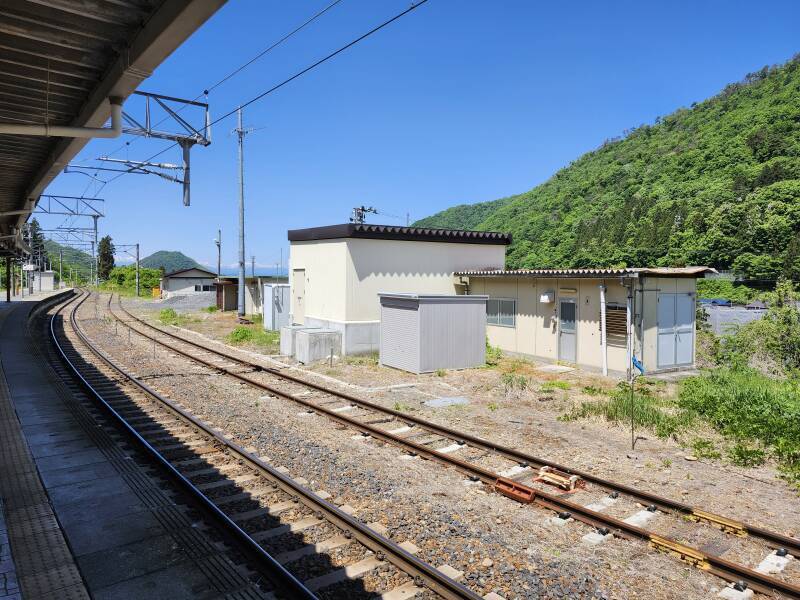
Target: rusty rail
720, 567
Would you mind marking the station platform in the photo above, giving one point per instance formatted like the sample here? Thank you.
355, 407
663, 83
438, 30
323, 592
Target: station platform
79, 516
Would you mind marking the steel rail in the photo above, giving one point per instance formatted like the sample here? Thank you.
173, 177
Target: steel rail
280, 575
423, 573
773, 539
711, 563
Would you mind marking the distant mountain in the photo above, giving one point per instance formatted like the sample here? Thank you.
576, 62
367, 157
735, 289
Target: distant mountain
169, 260
715, 184
71, 255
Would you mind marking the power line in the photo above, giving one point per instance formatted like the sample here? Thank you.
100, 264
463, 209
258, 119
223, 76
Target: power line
242, 67
293, 77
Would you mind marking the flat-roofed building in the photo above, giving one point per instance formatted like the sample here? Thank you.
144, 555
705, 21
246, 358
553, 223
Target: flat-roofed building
336, 272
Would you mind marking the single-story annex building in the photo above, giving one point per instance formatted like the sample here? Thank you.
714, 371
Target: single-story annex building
188, 281
227, 292
582, 316
336, 272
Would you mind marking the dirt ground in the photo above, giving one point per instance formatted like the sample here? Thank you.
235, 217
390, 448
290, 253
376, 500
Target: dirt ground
530, 420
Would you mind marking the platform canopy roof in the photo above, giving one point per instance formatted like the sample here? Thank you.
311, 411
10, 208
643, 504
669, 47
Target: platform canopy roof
60, 62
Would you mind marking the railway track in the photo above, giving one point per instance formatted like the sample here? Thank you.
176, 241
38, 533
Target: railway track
519, 475
307, 546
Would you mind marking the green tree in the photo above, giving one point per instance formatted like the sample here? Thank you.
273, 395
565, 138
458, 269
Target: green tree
35, 239
105, 257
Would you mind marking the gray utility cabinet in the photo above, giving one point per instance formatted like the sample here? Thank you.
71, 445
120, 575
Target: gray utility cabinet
421, 333
275, 306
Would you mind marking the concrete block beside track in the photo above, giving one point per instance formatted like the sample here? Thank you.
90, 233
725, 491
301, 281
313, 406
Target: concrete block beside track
289, 338
317, 344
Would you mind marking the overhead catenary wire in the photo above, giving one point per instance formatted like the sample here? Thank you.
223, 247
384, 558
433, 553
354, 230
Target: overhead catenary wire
288, 80
242, 67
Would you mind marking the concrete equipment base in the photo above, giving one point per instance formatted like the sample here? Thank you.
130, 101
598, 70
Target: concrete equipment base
289, 338
358, 337
317, 344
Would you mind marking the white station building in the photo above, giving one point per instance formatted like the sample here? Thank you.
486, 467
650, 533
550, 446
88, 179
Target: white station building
336, 272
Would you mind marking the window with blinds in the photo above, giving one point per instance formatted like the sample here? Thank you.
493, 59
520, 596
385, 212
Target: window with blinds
616, 324
501, 311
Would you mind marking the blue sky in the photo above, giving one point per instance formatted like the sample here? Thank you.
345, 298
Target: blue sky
460, 101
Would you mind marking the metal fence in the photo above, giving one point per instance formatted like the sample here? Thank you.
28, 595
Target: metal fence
725, 319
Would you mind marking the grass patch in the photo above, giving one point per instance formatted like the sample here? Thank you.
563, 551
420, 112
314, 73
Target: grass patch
441, 372
254, 335
514, 382
210, 309
493, 354
591, 390
556, 385
757, 412
492, 406
168, 316
705, 449
362, 360
662, 416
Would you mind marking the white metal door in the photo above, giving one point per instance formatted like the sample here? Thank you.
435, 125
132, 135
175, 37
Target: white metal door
299, 296
684, 329
675, 329
566, 330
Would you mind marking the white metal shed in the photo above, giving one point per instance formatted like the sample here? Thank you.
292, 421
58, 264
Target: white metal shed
275, 306
421, 333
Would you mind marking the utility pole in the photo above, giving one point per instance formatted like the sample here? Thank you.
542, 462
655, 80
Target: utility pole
218, 242
60, 267
241, 132
253, 266
94, 256
137, 269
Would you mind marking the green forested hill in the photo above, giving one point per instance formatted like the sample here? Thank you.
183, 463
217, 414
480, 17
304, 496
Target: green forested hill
169, 260
715, 184
71, 255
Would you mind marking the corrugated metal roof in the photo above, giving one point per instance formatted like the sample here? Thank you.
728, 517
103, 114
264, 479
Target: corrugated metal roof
393, 232
591, 272
60, 61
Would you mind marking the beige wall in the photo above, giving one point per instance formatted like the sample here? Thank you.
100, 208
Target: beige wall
536, 332
394, 266
325, 264
343, 277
